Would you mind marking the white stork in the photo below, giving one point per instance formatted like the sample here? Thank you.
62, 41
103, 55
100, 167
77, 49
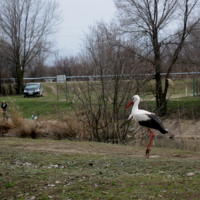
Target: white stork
146, 119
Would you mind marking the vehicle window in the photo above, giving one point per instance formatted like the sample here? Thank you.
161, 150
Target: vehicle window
32, 86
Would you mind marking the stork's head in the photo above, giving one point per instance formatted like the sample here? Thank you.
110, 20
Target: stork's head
134, 99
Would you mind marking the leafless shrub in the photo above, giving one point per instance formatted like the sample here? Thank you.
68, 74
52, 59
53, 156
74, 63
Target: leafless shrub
61, 130
100, 104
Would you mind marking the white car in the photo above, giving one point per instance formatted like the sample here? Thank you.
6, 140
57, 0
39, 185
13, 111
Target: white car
33, 89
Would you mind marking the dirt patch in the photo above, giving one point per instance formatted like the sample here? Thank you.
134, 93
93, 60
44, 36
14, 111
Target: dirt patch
67, 147
53, 89
92, 149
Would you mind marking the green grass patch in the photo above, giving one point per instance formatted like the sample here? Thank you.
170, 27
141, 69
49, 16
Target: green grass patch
187, 106
33, 105
53, 106
9, 185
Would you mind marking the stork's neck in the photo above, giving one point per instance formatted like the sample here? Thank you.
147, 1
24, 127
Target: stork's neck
135, 106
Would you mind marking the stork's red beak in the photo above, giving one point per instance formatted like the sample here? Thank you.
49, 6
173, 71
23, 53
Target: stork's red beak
129, 104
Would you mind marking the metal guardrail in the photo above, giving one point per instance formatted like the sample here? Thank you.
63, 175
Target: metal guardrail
99, 76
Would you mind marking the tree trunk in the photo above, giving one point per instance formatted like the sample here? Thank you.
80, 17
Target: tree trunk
20, 79
161, 105
161, 101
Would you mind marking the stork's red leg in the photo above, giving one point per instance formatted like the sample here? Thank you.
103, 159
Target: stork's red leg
149, 145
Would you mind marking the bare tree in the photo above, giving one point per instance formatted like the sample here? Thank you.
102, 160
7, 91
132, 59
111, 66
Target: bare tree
26, 25
2, 71
99, 104
65, 65
5, 85
190, 57
84, 65
37, 66
160, 28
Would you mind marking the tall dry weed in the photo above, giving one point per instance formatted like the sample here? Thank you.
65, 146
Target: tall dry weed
16, 115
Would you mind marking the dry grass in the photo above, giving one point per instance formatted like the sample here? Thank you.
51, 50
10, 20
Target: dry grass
17, 117
27, 131
37, 129
4, 127
73, 129
15, 122
17, 126
69, 128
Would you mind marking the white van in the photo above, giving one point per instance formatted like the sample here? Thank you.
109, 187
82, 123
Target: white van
33, 89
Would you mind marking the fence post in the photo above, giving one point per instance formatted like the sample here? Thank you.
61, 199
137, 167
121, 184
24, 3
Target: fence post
194, 87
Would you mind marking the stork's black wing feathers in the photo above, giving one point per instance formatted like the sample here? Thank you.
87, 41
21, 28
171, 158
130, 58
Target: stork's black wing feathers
154, 123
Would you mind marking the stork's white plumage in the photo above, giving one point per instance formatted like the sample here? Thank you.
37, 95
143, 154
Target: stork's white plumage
146, 119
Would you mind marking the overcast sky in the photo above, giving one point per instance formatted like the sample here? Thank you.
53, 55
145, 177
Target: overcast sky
78, 15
